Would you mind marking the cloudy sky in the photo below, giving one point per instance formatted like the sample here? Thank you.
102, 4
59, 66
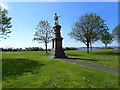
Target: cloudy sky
26, 15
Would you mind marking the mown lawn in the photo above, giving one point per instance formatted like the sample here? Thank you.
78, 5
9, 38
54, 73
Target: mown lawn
34, 70
105, 57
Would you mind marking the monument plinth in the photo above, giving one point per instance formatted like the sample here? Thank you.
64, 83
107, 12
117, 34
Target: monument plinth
57, 49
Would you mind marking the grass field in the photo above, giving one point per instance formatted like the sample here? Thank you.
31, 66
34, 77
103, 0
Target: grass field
34, 70
104, 57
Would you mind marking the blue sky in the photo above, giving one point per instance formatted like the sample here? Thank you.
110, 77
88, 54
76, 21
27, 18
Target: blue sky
60, 0
26, 15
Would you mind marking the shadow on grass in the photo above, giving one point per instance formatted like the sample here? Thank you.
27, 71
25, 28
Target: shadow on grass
72, 55
109, 53
12, 67
85, 59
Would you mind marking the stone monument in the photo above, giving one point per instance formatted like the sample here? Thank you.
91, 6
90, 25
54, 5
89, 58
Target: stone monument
57, 49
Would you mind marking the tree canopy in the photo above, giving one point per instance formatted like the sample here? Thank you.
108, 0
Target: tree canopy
88, 29
116, 33
5, 23
43, 33
106, 38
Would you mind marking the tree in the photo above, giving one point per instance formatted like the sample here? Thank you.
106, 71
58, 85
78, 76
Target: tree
116, 33
43, 33
5, 23
88, 29
106, 38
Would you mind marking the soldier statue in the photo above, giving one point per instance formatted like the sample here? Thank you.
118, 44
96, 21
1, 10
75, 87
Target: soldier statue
56, 19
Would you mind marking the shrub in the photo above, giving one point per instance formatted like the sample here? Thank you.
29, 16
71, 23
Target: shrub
34, 49
71, 48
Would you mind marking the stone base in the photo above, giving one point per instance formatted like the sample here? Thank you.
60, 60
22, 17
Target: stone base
57, 55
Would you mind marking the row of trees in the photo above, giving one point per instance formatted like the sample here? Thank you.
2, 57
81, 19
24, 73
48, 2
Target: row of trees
88, 29
32, 49
21, 49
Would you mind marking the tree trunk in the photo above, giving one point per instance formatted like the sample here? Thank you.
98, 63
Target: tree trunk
106, 46
87, 47
91, 46
46, 47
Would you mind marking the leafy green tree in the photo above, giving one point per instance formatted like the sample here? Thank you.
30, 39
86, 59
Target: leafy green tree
88, 29
5, 23
116, 33
43, 33
106, 38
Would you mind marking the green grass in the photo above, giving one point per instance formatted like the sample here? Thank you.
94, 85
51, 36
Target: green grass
104, 57
33, 70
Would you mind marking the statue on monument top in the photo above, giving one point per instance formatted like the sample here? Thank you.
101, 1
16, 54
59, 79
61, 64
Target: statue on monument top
56, 19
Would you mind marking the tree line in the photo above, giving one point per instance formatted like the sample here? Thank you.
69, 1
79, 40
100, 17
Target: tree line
21, 49
88, 29
32, 49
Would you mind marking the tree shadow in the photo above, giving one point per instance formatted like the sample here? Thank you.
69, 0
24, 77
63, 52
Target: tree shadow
109, 53
85, 59
13, 67
73, 55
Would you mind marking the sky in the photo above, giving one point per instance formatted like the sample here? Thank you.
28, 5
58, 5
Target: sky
60, 0
26, 15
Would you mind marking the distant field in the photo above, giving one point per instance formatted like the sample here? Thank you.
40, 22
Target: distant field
34, 70
105, 57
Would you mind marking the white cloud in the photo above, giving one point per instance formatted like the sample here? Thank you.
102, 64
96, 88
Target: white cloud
3, 5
